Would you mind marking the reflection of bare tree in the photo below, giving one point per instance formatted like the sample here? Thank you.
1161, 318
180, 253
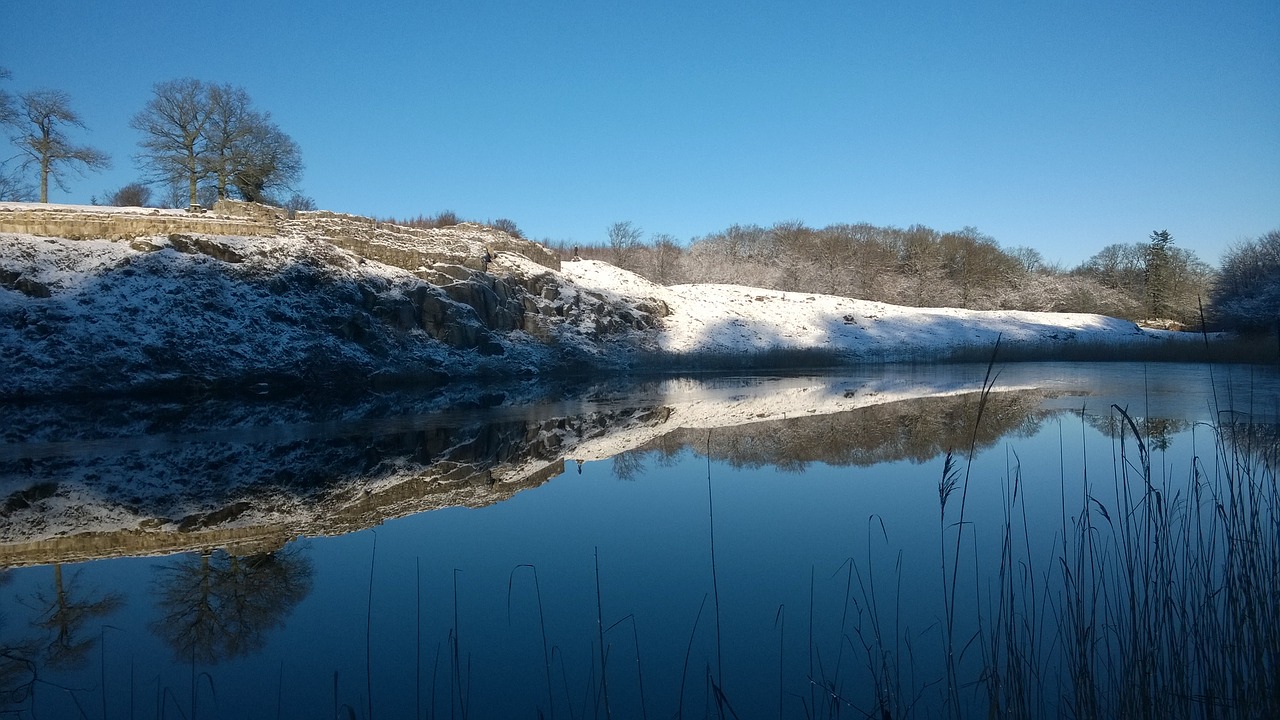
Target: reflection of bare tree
64, 614
17, 666
216, 606
917, 430
628, 465
1251, 438
1157, 432
17, 676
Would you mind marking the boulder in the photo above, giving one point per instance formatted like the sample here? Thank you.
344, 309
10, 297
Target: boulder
196, 245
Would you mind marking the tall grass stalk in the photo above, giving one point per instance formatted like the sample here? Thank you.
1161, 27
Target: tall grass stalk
1189, 583
1157, 597
604, 653
1168, 602
542, 624
947, 485
458, 700
684, 673
1163, 597
715, 583
368, 630
417, 637
635, 636
880, 647
780, 622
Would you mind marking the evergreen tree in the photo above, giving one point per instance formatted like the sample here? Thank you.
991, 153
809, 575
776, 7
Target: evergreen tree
1157, 276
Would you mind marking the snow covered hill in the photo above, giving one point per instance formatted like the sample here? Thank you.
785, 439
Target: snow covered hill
340, 301
734, 319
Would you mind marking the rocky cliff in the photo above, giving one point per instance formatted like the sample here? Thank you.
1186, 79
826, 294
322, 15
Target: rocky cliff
110, 300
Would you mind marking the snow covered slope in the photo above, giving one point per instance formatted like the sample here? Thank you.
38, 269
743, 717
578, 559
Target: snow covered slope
335, 300
734, 319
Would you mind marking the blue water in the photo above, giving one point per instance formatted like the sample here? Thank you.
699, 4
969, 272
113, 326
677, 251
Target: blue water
438, 615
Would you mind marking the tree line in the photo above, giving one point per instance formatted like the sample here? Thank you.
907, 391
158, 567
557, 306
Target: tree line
200, 142
1152, 281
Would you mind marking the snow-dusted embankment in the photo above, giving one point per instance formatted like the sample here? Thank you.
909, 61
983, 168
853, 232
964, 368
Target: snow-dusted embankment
735, 319
337, 301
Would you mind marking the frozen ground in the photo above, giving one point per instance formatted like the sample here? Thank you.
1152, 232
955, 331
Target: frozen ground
206, 311
733, 319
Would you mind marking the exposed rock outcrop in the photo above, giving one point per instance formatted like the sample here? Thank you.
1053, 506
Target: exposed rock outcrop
319, 299
417, 250
252, 494
122, 223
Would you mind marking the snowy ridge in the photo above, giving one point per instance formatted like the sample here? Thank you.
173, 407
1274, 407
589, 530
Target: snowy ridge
335, 300
734, 319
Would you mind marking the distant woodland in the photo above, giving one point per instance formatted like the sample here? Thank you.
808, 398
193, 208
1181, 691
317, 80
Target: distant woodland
1155, 282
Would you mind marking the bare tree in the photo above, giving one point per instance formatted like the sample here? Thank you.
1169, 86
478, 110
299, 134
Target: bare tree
1119, 266
135, 194
8, 111
1029, 258
248, 154
1162, 280
210, 139
507, 226
977, 267
624, 239
664, 259
230, 124
921, 265
174, 141
793, 241
68, 614
40, 120
217, 606
271, 162
12, 186
298, 202
1247, 294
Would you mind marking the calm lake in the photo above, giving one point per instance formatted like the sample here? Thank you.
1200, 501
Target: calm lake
766, 546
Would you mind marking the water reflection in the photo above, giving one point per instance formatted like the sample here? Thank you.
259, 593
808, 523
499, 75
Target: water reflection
838, 586
215, 605
228, 480
70, 616
65, 626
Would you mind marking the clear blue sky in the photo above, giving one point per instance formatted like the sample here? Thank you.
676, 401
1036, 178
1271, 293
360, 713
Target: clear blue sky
1065, 126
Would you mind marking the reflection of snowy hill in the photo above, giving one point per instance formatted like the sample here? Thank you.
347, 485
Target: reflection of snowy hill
141, 490
82, 480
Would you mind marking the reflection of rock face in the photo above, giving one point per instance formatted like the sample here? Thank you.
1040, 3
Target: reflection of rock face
213, 483
178, 309
252, 494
